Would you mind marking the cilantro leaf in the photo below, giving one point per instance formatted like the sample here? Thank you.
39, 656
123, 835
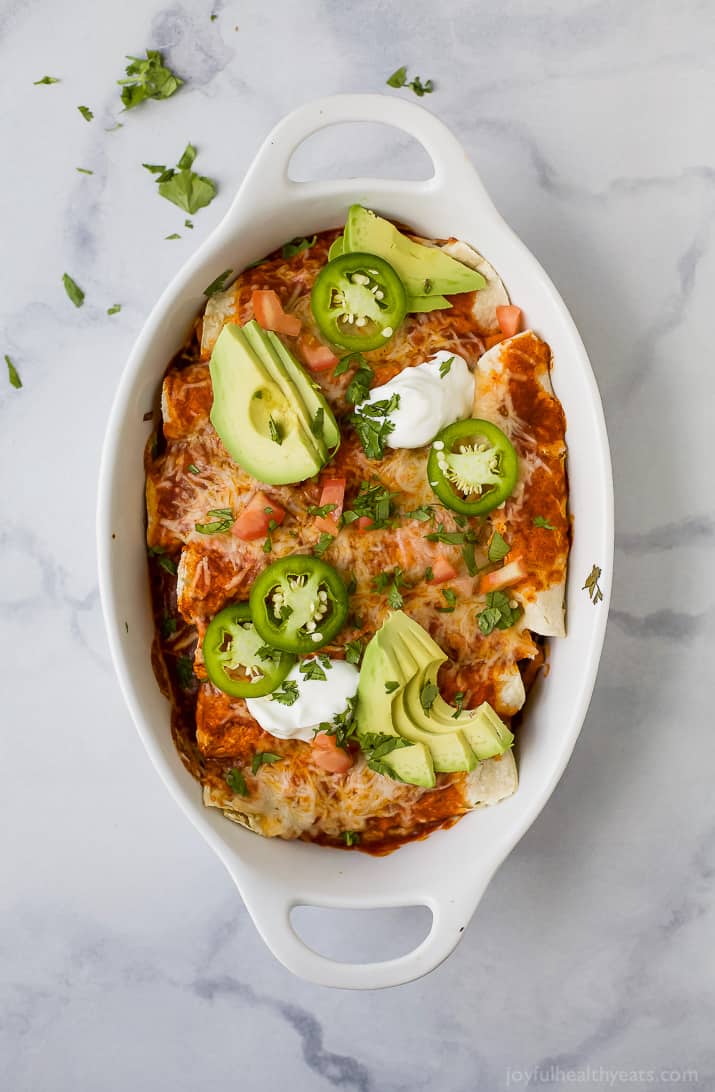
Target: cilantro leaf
376, 746
498, 547
350, 837
274, 429
324, 542
539, 521
173, 236
237, 782
592, 585
193, 468
73, 290
317, 424
373, 425
374, 502
45, 80
287, 694
188, 224
420, 88
445, 365
359, 386
450, 598
422, 514
188, 190
263, 758
311, 669
391, 685
459, 702
85, 112
296, 246
354, 651
321, 510
185, 671
83, 170
114, 309
342, 726
219, 284
13, 374
398, 77
187, 158
428, 693
147, 78
223, 521
498, 613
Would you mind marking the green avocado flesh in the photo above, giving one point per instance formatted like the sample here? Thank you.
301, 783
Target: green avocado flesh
403, 653
265, 408
425, 271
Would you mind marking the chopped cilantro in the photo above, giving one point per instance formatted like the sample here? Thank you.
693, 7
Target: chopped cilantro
399, 79
321, 510
83, 170
459, 702
263, 758
342, 726
422, 514
296, 246
498, 614
163, 559
539, 521
373, 501
168, 625
223, 520
445, 365
45, 80
219, 284
393, 581
287, 694
13, 374
193, 468
147, 78
450, 599
73, 290
324, 542
187, 157
354, 651
391, 685
114, 309
174, 235
376, 746
188, 224
350, 837
498, 547
429, 573
428, 693
237, 782
85, 112
373, 425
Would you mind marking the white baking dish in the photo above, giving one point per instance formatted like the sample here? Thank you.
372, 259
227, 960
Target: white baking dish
449, 871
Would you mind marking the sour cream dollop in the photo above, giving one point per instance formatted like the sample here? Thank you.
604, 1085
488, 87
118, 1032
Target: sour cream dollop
318, 700
429, 401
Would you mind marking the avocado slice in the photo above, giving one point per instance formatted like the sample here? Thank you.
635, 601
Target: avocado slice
413, 765
258, 340
336, 248
250, 409
419, 267
449, 749
313, 398
423, 304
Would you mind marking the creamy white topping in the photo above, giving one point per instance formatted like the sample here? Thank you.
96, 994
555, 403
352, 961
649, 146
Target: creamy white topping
318, 700
429, 399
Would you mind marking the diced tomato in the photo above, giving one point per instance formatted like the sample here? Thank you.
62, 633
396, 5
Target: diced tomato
269, 313
502, 578
363, 523
509, 319
329, 756
318, 357
254, 520
442, 569
492, 340
333, 493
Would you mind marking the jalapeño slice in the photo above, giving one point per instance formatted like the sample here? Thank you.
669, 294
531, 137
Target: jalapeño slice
472, 467
298, 603
358, 301
236, 657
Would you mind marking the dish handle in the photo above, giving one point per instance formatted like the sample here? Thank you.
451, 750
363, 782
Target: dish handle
270, 907
452, 168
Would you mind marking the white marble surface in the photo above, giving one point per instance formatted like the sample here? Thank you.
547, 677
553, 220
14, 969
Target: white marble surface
126, 958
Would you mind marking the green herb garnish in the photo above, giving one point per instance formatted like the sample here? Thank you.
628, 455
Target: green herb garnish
223, 520
147, 78
263, 758
237, 782
219, 284
354, 651
193, 468
592, 585
428, 693
350, 837
85, 112
321, 510
73, 290
275, 431
13, 374
445, 365
323, 543
296, 246
399, 79
498, 547
450, 598
539, 521
393, 581
174, 235
373, 425
168, 625
422, 514
114, 309
287, 694
342, 726
311, 669
498, 614
163, 559
83, 170
45, 80
374, 502
459, 702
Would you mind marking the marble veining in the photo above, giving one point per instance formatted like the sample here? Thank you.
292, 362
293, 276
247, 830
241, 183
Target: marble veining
126, 958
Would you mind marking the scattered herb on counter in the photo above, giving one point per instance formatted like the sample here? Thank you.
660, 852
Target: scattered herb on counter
297, 246
83, 170
188, 224
181, 185
147, 78
13, 374
469, 559
429, 573
275, 431
498, 613
450, 598
185, 671
73, 290
399, 79
359, 386
263, 758
219, 284
592, 585
428, 693
539, 521
173, 236
237, 782
350, 837
498, 547
287, 694
214, 17
86, 113
113, 128
114, 309
46, 80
